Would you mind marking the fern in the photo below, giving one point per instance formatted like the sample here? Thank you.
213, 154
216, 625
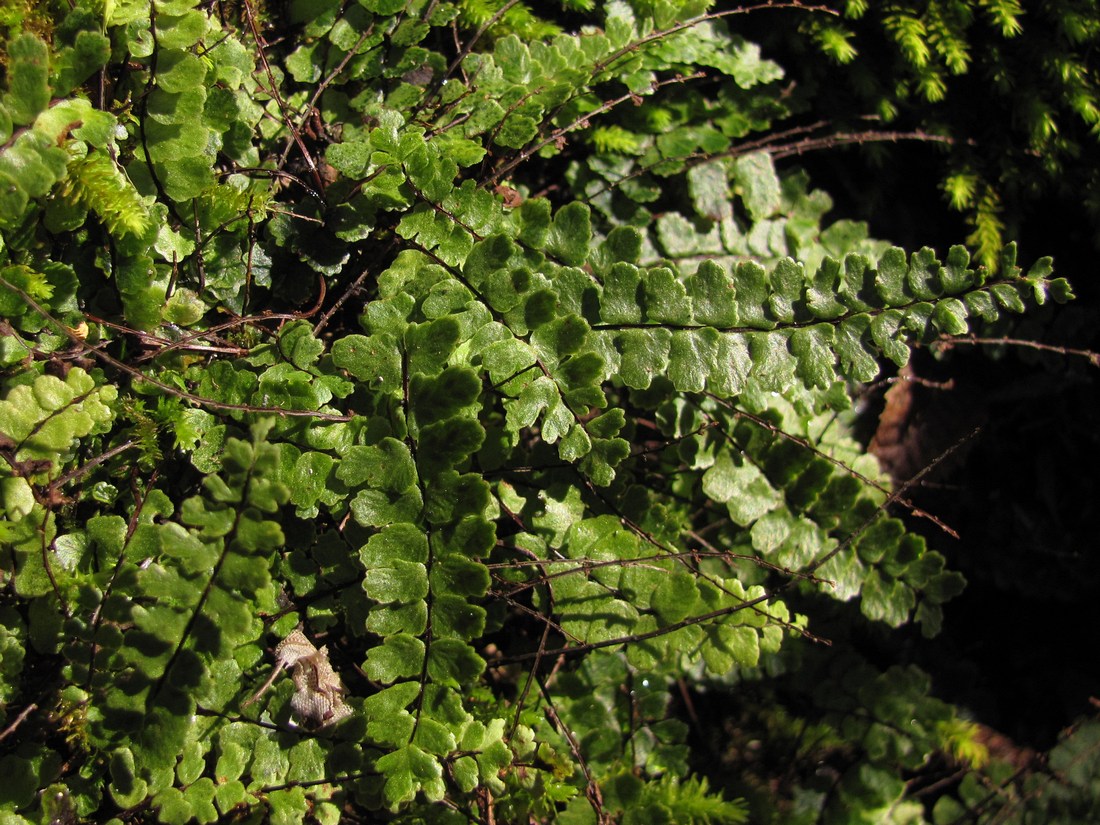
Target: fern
961, 740
688, 802
978, 61
489, 468
96, 183
506, 18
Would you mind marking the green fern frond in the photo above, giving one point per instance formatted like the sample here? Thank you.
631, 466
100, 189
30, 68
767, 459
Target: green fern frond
836, 42
518, 19
97, 183
658, 118
1005, 15
932, 86
1086, 107
959, 738
960, 189
693, 803
988, 235
145, 431
615, 139
855, 9
910, 35
32, 282
24, 16
947, 34
1041, 121
1077, 27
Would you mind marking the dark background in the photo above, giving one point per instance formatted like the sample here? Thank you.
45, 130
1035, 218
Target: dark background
1023, 492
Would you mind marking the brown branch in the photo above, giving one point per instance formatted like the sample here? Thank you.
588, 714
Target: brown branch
353, 288
547, 621
592, 788
143, 110
705, 18
274, 91
131, 528
892, 498
601, 65
324, 84
463, 52
748, 603
23, 714
804, 443
766, 144
856, 138
683, 559
280, 173
138, 375
88, 465
579, 123
586, 565
311, 783
636, 637
948, 342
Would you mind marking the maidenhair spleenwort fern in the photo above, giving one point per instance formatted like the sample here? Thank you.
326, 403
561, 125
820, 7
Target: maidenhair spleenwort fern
502, 426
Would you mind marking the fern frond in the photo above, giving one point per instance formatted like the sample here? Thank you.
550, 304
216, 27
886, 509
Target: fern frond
932, 86
32, 282
947, 34
836, 42
615, 139
1005, 15
910, 35
988, 235
97, 183
693, 803
518, 19
855, 9
960, 739
145, 431
960, 189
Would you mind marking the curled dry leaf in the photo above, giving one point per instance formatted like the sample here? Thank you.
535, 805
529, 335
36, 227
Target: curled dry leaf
318, 699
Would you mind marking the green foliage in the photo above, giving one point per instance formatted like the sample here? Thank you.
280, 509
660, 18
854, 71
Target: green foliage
1016, 91
1062, 788
301, 372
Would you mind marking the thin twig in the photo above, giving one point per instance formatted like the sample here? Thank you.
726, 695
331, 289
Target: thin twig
855, 138
463, 52
324, 84
578, 123
774, 146
592, 791
23, 714
748, 603
706, 18
804, 443
605, 63
168, 388
636, 637
351, 290
892, 498
88, 465
948, 342
131, 528
143, 111
274, 91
